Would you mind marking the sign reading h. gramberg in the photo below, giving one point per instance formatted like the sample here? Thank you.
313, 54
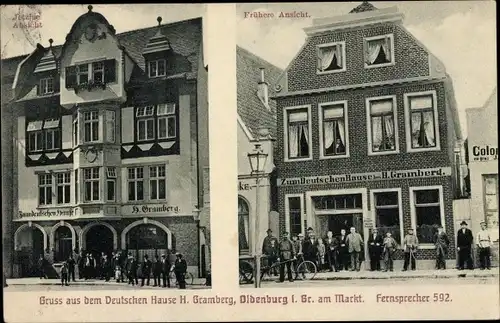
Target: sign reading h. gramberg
363, 177
154, 209
47, 213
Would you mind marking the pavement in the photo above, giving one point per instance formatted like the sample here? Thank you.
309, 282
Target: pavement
30, 281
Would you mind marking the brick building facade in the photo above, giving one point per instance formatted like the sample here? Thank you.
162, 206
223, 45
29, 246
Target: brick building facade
367, 132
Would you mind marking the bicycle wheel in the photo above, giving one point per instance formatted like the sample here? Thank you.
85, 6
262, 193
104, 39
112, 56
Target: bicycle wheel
306, 270
246, 272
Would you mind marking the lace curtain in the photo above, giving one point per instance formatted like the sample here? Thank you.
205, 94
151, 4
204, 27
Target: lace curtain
373, 48
326, 56
297, 132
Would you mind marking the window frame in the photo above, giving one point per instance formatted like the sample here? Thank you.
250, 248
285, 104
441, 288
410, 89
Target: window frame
135, 180
44, 88
286, 110
369, 133
65, 185
287, 212
157, 180
97, 70
250, 238
156, 62
166, 116
407, 105
91, 121
92, 182
321, 107
373, 205
393, 55
111, 177
110, 125
76, 129
36, 133
52, 132
332, 44
413, 212
145, 117
45, 187
78, 73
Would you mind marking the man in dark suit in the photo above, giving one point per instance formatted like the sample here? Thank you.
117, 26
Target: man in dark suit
331, 251
375, 245
270, 248
131, 268
146, 270
464, 246
157, 271
343, 254
286, 255
310, 248
180, 270
71, 267
165, 270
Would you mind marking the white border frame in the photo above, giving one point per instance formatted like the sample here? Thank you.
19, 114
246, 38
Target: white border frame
407, 107
332, 44
287, 212
412, 190
346, 129
400, 207
285, 132
393, 56
369, 125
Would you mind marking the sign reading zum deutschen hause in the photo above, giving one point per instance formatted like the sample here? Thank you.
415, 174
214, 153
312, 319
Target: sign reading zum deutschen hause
363, 177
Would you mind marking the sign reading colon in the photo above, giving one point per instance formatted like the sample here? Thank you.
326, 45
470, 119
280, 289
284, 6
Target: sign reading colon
483, 153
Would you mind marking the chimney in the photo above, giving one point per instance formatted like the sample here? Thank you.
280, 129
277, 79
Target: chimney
263, 92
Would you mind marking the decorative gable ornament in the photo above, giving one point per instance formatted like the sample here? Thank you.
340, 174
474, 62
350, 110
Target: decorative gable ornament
365, 6
48, 61
157, 43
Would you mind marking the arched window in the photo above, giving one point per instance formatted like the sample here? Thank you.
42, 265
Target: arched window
243, 228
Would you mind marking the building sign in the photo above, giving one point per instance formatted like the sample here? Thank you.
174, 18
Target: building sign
157, 208
47, 213
368, 223
364, 177
242, 186
484, 153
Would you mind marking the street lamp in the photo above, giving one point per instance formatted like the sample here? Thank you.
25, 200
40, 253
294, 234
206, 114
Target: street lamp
196, 217
257, 160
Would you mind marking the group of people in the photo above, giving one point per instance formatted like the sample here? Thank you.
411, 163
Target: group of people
346, 251
122, 267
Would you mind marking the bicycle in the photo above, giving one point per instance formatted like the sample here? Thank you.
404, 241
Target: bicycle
246, 272
188, 277
306, 269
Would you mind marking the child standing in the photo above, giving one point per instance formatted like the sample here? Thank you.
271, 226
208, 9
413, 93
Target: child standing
389, 248
64, 274
321, 254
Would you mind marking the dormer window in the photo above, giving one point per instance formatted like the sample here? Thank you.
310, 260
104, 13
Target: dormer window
379, 51
86, 75
331, 58
157, 68
46, 86
98, 72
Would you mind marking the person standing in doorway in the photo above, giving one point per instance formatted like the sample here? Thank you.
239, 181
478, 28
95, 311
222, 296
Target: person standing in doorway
410, 245
41, 267
390, 246
64, 274
180, 270
483, 241
441, 242
81, 265
71, 268
286, 256
343, 251
331, 251
375, 249
464, 247
355, 247
270, 249
132, 270
156, 271
165, 270
311, 248
146, 270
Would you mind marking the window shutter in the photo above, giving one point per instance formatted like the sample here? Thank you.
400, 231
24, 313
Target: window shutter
110, 71
70, 76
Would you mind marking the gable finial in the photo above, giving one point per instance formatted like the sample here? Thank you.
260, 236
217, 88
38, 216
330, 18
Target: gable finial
90, 7
159, 21
50, 42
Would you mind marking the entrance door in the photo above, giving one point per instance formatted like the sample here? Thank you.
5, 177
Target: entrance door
64, 243
99, 239
337, 222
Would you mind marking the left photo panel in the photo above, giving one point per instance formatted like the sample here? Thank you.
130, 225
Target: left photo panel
105, 147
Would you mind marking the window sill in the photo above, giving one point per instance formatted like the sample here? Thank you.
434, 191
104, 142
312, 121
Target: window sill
55, 206
382, 153
287, 160
157, 76
330, 72
418, 150
379, 65
322, 157
427, 246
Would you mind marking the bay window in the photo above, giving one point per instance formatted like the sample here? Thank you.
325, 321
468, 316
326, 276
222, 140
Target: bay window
135, 184
91, 126
91, 184
298, 134
334, 129
382, 125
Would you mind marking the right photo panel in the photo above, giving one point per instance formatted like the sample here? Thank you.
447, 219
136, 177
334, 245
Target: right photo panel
367, 144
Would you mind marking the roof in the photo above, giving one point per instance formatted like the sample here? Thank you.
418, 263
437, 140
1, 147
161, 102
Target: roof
365, 6
251, 109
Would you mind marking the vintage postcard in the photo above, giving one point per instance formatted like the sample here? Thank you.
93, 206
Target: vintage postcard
362, 137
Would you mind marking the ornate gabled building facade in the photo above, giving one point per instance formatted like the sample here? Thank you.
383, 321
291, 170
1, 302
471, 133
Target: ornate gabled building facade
110, 143
368, 133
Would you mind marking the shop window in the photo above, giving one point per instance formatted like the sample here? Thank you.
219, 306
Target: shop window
91, 183
243, 226
157, 182
45, 189
135, 184
63, 181
382, 127
298, 134
334, 129
427, 205
295, 215
387, 214
331, 57
422, 122
379, 51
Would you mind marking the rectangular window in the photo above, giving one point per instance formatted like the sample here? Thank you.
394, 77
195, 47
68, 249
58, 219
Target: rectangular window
490, 183
382, 130
77, 188
297, 127
91, 182
52, 139
387, 217
427, 210
331, 58
166, 121
110, 126
157, 182
46, 86
75, 130
98, 72
157, 68
111, 183
423, 121
63, 188
334, 130
82, 73
35, 136
145, 123
295, 214
379, 51
91, 126
45, 189
135, 184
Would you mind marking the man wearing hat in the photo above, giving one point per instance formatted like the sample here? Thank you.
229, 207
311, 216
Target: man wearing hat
180, 270
286, 255
270, 249
410, 245
165, 270
464, 246
441, 242
483, 241
375, 246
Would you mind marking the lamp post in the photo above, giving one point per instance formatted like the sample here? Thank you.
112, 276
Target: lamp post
257, 160
196, 217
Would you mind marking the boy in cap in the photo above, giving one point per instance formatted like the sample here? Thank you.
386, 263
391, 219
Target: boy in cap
464, 246
441, 242
270, 249
410, 245
483, 241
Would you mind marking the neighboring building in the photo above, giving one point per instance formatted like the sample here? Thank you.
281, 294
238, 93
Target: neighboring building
256, 125
111, 143
368, 133
482, 125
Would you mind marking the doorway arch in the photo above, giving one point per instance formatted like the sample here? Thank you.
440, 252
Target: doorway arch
99, 239
30, 242
62, 240
88, 227
146, 237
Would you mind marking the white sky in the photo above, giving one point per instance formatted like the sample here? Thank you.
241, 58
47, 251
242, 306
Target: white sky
57, 20
462, 34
